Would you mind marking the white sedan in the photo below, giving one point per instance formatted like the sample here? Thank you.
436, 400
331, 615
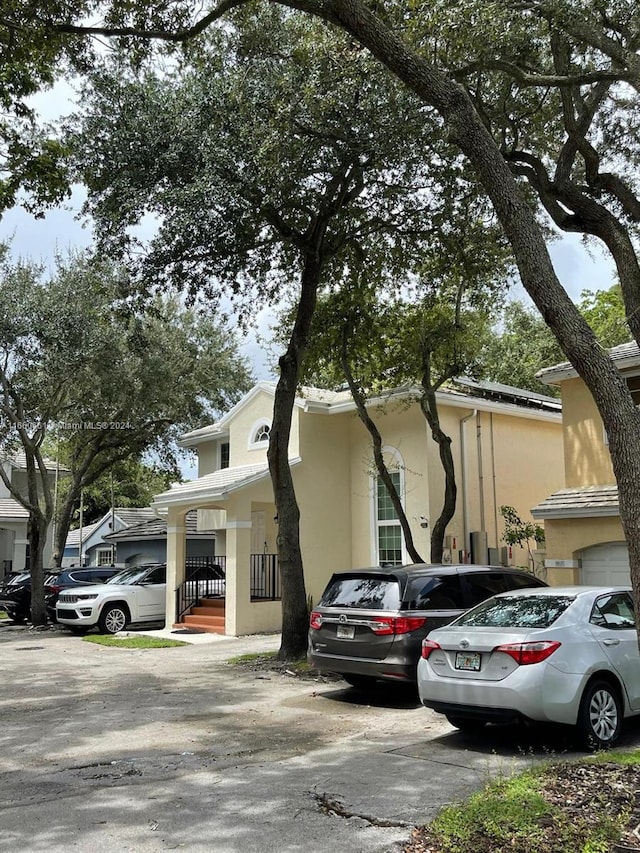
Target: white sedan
558, 654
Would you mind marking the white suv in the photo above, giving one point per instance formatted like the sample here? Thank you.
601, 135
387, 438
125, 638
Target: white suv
133, 595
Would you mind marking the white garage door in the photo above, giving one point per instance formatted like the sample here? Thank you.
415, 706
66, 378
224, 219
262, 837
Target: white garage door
606, 564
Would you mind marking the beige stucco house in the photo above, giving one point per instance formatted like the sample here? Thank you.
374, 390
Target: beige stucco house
584, 537
507, 447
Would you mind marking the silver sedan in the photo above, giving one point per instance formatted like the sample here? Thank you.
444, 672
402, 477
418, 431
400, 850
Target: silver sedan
561, 654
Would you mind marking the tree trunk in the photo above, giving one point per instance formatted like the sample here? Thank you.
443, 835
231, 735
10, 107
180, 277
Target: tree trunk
376, 442
295, 617
65, 515
430, 411
38, 527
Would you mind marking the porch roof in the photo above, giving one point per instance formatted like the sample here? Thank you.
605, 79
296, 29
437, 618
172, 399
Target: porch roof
584, 502
11, 510
216, 486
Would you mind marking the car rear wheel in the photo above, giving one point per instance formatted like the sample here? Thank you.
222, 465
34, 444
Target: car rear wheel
465, 724
113, 618
600, 716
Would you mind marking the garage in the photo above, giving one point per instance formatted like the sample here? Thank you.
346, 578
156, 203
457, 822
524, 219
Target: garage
606, 564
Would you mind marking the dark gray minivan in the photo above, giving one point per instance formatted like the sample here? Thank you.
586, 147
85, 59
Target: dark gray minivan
370, 623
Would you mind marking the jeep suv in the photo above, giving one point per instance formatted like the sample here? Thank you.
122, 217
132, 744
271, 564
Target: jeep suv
133, 595
370, 623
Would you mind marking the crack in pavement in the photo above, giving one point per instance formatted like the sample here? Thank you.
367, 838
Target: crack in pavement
330, 805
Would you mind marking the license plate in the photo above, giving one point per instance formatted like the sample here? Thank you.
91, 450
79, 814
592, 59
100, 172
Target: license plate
345, 632
468, 660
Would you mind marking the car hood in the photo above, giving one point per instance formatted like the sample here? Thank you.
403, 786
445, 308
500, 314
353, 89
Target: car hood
98, 589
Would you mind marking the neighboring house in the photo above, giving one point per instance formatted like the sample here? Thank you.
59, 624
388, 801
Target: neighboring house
507, 447
14, 545
86, 546
584, 538
147, 542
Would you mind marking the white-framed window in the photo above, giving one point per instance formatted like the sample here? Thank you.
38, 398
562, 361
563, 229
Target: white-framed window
259, 435
389, 548
104, 556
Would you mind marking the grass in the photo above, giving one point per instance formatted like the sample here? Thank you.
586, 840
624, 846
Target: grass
133, 642
269, 660
512, 814
253, 657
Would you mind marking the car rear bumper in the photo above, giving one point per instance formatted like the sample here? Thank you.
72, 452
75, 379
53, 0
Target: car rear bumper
539, 692
387, 669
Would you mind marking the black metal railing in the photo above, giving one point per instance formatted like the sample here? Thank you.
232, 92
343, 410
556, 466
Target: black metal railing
265, 577
205, 578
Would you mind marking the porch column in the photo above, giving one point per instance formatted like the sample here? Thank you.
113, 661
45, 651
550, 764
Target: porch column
238, 591
20, 543
176, 557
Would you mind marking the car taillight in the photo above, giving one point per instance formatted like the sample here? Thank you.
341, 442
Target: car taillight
396, 624
50, 589
429, 646
315, 620
526, 653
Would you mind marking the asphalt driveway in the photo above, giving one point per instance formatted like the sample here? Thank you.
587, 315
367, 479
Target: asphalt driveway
175, 749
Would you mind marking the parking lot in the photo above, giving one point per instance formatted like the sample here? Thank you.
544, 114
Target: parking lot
164, 749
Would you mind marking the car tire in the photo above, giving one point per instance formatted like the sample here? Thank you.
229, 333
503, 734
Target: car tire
600, 715
361, 682
465, 724
113, 618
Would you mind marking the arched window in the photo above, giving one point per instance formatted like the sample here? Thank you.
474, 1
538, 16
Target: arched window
389, 547
259, 434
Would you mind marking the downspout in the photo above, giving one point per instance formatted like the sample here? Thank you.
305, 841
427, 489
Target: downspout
480, 471
463, 466
493, 478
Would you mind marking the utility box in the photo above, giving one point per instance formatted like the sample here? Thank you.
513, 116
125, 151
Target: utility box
479, 548
494, 557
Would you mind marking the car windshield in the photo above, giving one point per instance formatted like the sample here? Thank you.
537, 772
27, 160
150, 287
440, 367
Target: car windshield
21, 578
516, 611
365, 592
128, 576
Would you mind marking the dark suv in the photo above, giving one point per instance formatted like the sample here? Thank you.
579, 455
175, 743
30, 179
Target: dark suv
370, 623
76, 576
15, 594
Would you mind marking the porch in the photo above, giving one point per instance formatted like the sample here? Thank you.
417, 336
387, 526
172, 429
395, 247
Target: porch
201, 597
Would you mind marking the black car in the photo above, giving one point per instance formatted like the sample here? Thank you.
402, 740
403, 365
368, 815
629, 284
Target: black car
15, 594
76, 576
370, 623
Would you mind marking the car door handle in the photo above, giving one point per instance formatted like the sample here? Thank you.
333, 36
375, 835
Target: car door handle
611, 642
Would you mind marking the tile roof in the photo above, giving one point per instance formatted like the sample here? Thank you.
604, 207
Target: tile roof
584, 502
19, 460
73, 536
157, 529
130, 515
11, 510
624, 356
216, 486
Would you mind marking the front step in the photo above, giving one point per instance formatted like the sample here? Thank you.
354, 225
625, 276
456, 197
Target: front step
208, 617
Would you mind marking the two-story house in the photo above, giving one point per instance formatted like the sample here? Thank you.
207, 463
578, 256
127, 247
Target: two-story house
584, 537
507, 448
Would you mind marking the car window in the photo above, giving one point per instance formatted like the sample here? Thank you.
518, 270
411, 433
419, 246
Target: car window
366, 592
613, 611
434, 593
517, 611
522, 581
158, 575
